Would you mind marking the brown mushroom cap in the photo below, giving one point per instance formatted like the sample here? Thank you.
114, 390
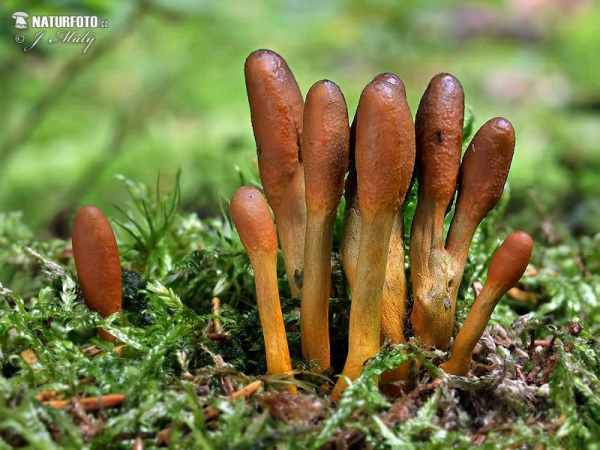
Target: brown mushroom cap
510, 261
252, 218
325, 145
385, 151
484, 169
276, 107
438, 129
97, 262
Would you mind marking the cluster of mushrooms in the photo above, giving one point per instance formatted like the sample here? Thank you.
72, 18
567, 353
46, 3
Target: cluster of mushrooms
309, 156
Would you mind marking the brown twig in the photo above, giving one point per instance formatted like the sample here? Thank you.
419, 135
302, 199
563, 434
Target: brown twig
90, 404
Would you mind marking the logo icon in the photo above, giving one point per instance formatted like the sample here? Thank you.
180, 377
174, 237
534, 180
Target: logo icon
20, 17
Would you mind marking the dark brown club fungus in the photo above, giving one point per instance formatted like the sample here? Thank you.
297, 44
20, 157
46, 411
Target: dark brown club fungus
276, 107
483, 174
437, 270
395, 294
325, 143
506, 268
252, 219
438, 129
97, 262
385, 152
303, 188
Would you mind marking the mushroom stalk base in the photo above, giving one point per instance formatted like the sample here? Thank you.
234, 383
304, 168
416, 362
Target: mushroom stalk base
271, 318
365, 312
314, 316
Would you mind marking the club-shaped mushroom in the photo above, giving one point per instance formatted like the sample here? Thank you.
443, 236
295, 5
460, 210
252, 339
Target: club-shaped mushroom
276, 107
325, 144
438, 129
252, 219
483, 173
506, 268
97, 263
385, 152
395, 294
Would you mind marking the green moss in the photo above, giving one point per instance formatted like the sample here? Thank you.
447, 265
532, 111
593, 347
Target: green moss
172, 370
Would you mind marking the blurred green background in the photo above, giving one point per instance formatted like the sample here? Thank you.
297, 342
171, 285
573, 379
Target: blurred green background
162, 87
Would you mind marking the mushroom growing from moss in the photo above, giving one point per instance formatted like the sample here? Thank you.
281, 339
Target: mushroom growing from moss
438, 129
252, 219
325, 144
97, 263
395, 294
385, 152
276, 107
437, 270
506, 268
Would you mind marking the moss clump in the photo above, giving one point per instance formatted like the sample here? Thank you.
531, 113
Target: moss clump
535, 375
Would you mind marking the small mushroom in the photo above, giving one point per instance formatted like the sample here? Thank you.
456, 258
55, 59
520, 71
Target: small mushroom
97, 263
385, 152
325, 143
506, 268
483, 174
252, 219
276, 107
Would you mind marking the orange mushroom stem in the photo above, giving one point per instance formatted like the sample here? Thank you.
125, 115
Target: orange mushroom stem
252, 219
385, 152
325, 144
97, 263
506, 268
276, 107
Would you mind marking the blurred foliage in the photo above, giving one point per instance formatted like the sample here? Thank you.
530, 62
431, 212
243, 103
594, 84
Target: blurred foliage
162, 88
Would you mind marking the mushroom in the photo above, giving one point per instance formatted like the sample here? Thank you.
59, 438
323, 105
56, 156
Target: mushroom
252, 219
437, 273
506, 268
97, 263
325, 143
20, 17
438, 127
483, 174
385, 151
395, 294
276, 111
